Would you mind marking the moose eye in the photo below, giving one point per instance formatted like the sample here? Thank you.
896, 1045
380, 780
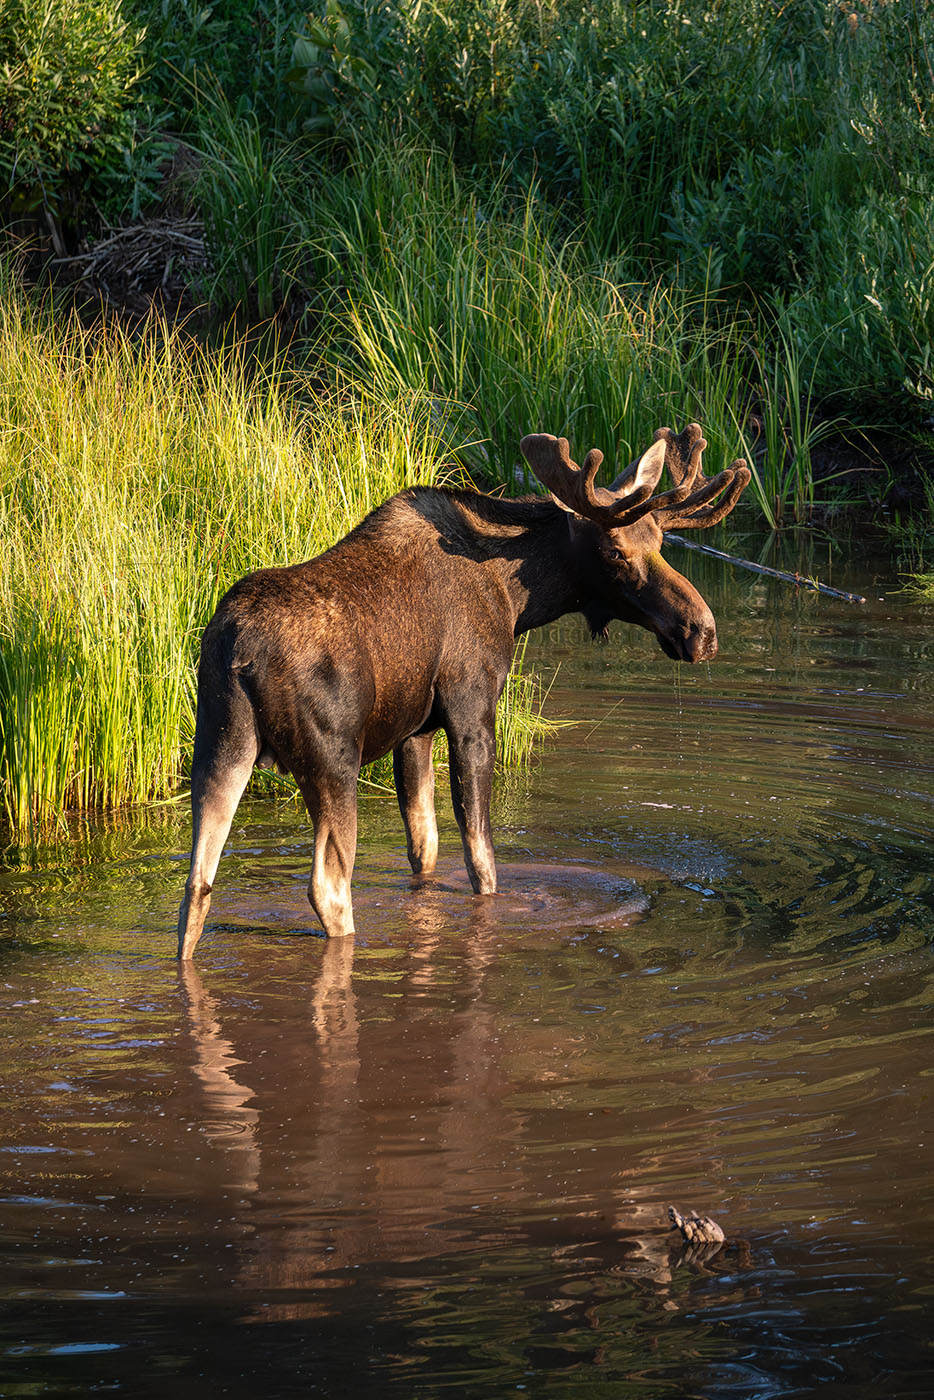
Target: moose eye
616, 554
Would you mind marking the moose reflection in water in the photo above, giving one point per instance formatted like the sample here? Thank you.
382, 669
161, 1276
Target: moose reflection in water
407, 626
314, 1134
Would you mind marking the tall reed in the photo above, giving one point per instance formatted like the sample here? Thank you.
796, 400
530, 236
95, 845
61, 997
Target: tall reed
138, 480
479, 302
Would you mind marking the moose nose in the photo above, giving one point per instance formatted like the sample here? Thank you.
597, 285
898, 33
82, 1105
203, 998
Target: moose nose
699, 643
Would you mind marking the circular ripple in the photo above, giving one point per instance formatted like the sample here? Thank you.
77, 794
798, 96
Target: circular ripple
386, 896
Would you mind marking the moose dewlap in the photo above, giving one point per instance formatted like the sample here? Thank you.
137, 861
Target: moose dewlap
408, 625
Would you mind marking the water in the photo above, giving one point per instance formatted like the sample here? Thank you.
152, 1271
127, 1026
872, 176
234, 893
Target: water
438, 1160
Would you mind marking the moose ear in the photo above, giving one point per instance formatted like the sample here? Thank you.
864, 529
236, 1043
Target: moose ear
649, 468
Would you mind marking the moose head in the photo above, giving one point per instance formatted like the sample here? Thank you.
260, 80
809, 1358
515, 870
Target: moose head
617, 532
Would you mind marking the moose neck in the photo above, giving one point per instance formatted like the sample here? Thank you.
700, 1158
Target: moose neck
528, 545
546, 584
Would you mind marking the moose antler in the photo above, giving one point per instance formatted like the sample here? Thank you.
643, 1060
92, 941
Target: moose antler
573, 486
631, 494
683, 457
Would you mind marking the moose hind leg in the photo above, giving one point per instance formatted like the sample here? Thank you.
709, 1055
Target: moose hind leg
415, 789
217, 783
472, 751
333, 811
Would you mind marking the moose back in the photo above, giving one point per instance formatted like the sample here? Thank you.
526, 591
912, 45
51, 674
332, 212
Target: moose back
408, 625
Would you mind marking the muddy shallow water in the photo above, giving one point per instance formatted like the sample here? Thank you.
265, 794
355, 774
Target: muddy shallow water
438, 1158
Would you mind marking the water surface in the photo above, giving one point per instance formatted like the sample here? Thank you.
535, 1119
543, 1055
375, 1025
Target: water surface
437, 1159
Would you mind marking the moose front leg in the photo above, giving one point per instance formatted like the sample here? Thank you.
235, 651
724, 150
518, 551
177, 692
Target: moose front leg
333, 811
472, 750
415, 788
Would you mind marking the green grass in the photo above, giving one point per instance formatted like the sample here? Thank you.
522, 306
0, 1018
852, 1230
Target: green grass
920, 588
475, 299
243, 188
138, 479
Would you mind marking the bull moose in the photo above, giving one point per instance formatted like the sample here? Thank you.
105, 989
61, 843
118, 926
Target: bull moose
407, 626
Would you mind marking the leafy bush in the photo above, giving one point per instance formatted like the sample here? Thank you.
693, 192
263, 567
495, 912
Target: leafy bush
240, 46
870, 298
333, 79
69, 72
654, 119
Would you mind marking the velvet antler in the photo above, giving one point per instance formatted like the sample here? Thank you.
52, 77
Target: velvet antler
573, 486
684, 457
690, 504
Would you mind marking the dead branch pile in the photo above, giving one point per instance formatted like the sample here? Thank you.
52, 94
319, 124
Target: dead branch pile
159, 259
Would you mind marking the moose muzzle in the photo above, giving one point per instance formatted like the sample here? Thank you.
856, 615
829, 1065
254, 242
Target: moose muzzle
696, 642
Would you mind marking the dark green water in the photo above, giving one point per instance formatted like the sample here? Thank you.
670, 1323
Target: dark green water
438, 1160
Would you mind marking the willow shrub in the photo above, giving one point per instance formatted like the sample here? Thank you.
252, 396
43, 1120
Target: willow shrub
69, 88
138, 480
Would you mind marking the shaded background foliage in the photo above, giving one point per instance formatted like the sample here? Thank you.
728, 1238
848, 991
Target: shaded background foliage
770, 162
771, 152
768, 152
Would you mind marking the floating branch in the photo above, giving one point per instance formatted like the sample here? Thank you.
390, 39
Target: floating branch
800, 580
